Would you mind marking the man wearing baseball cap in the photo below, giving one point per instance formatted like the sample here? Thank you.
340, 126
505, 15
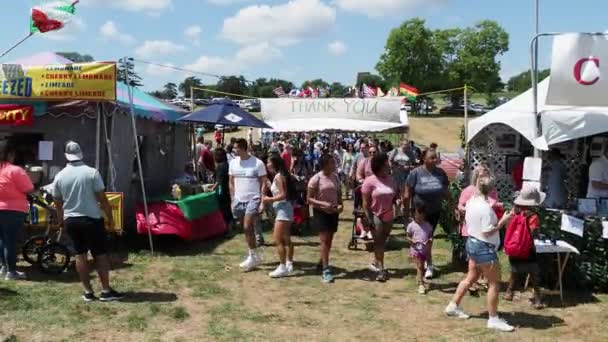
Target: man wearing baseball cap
80, 198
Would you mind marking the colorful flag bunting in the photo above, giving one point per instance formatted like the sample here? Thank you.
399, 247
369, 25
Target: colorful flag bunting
368, 91
279, 92
410, 92
52, 15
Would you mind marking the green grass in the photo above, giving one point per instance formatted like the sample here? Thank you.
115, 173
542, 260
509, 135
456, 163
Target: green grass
201, 295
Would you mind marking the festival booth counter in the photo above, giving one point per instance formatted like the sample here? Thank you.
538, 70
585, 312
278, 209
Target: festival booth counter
195, 217
504, 136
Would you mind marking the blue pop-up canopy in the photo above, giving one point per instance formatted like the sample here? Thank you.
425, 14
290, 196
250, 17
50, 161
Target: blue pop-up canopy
227, 113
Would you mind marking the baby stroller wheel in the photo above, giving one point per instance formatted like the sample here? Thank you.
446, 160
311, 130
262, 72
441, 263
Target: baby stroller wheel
31, 249
352, 245
54, 258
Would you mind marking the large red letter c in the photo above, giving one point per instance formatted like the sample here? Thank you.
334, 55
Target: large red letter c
578, 67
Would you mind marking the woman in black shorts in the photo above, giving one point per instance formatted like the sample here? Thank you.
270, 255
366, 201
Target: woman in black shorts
325, 196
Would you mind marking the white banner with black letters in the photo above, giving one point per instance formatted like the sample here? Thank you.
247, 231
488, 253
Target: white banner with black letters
369, 109
579, 70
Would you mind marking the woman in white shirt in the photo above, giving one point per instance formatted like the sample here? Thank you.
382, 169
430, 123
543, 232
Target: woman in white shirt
481, 246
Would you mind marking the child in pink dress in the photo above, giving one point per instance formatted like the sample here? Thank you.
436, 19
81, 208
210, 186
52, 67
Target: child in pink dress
419, 233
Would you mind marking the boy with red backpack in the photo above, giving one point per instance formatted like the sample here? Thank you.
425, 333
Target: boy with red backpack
519, 242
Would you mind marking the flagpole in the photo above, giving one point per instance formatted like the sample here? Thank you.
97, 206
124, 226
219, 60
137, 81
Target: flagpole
18, 43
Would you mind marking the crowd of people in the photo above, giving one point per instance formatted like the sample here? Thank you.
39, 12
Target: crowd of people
296, 175
388, 185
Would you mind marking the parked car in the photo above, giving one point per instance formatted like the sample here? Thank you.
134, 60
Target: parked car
459, 110
227, 128
202, 102
252, 105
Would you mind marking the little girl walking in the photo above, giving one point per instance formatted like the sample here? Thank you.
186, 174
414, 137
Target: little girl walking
419, 233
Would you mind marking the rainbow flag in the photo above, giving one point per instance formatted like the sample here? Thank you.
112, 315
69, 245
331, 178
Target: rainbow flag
408, 91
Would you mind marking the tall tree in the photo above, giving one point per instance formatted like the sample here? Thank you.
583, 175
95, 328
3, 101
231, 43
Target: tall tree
410, 56
76, 57
371, 80
128, 70
337, 89
263, 87
523, 81
233, 85
440, 59
318, 83
170, 91
158, 94
188, 83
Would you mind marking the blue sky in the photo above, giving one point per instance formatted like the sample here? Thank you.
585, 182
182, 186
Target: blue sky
297, 40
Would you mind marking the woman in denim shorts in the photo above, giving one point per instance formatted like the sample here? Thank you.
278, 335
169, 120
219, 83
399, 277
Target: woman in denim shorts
283, 191
481, 247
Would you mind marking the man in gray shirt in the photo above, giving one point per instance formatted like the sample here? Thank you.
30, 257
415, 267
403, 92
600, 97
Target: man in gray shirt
79, 195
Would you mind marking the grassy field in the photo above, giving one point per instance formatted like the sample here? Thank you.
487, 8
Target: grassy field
195, 292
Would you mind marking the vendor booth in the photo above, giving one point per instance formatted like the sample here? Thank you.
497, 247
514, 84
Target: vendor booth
102, 126
505, 135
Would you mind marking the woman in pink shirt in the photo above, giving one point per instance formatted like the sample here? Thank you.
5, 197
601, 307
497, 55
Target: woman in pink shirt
325, 197
379, 193
14, 186
482, 170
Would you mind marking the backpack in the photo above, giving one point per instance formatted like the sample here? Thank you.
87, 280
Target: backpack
518, 240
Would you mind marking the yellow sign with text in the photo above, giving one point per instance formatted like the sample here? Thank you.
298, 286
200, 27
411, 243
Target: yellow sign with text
78, 81
116, 200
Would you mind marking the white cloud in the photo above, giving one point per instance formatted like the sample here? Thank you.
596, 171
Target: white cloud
281, 24
337, 48
154, 48
214, 65
380, 8
148, 6
109, 31
70, 32
257, 54
193, 33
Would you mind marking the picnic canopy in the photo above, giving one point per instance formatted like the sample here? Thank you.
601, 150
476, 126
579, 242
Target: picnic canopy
335, 114
227, 113
559, 123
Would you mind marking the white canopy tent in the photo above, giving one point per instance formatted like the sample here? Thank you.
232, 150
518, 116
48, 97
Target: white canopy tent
335, 114
559, 123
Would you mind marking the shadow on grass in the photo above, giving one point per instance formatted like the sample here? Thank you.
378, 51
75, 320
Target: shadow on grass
553, 300
8, 292
149, 297
528, 320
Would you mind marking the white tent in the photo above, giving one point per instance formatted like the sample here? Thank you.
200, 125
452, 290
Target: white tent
559, 123
334, 114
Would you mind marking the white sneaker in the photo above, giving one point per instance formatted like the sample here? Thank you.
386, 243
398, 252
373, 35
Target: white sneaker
370, 236
453, 310
429, 272
499, 324
15, 276
2, 271
280, 272
363, 234
421, 289
289, 266
374, 267
250, 263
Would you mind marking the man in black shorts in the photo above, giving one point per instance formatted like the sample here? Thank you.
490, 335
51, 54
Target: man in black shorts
77, 192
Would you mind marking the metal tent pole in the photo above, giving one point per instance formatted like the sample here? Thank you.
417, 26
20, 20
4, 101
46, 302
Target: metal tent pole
141, 173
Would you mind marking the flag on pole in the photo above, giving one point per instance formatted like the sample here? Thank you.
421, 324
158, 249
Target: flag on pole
410, 92
393, 92
279, 92
368, 91
379, 92
52, 15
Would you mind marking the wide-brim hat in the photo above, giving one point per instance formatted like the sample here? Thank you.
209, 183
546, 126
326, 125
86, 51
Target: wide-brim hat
530, 197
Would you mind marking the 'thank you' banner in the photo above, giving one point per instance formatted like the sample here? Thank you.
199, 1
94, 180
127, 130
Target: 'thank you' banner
579, 70
368, 109
78, 81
